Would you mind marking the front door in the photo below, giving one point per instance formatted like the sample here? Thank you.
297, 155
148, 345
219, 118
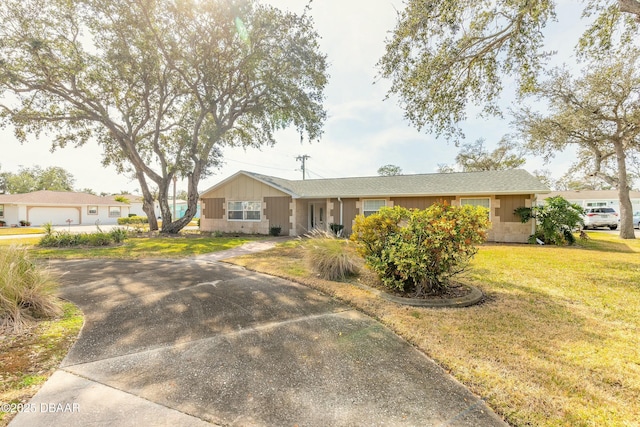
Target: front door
317, 216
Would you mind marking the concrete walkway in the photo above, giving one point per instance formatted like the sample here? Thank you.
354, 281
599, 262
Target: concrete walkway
198, 342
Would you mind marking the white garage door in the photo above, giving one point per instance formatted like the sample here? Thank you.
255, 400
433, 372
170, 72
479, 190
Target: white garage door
56, 216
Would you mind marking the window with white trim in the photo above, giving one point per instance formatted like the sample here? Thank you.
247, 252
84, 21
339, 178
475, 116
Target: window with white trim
114, 211
1, 211
372, 206
244, 211
92, 210
485, 202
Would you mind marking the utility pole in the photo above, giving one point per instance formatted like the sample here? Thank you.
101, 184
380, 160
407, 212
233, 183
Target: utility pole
303, 159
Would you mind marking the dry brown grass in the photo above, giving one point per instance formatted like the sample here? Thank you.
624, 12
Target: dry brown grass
331, 258
554, 343
26, 290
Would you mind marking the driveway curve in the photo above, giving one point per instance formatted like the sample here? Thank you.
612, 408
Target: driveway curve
195, 342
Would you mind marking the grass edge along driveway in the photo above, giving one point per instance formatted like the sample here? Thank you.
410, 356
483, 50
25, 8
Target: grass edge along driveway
555, 342
147, 247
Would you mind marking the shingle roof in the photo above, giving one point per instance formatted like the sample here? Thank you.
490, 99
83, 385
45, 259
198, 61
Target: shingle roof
517, 181
45, 197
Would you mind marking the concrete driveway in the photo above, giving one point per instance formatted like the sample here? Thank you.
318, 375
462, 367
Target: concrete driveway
200, 342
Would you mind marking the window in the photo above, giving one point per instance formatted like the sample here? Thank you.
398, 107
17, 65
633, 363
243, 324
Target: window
92, 210
372, 206
484, 202
1, 211
114, 211
244, 211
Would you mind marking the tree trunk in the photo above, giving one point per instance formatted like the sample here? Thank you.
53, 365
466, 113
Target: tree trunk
147, 202
630, 6
626, 208
174, 227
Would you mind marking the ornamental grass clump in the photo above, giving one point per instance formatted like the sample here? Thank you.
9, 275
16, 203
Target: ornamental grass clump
330, 257
26, 290
419, 251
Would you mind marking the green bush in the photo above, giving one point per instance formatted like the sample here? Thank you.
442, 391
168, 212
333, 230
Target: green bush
118, 235
330, 257
98, 239
336, 228
63, 239
26, 290
133, 220
275, 230
555, 220
419, 251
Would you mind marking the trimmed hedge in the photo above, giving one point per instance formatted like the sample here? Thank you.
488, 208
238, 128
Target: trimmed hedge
133, 220
65, 239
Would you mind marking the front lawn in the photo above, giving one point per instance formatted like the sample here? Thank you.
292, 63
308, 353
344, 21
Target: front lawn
554, 343
16, 231
145, 247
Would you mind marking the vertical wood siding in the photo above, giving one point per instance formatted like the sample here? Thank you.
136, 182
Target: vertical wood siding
507, 205
278, 212
213, 208
349, 212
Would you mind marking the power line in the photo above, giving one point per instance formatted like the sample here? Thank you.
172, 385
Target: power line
315, 173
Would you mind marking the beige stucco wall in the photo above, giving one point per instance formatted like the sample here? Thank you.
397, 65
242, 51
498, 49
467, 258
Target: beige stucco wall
506, 232
241, 188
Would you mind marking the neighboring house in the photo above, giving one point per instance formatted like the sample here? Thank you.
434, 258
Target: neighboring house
597, 198
249, 202
134, 202
58, 207
135, 206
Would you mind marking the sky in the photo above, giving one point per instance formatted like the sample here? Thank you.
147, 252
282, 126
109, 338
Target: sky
362, 133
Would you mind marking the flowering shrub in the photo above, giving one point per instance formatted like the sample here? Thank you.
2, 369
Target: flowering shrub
419, 251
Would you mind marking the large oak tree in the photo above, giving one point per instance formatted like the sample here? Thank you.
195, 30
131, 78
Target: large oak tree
160, 85
599, 114
444, 55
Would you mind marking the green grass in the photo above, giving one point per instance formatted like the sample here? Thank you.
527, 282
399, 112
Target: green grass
145, 247
27, 241
554, 344
27, 360
15, 231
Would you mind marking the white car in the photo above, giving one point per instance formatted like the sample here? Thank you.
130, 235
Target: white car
601, 217
636, 219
